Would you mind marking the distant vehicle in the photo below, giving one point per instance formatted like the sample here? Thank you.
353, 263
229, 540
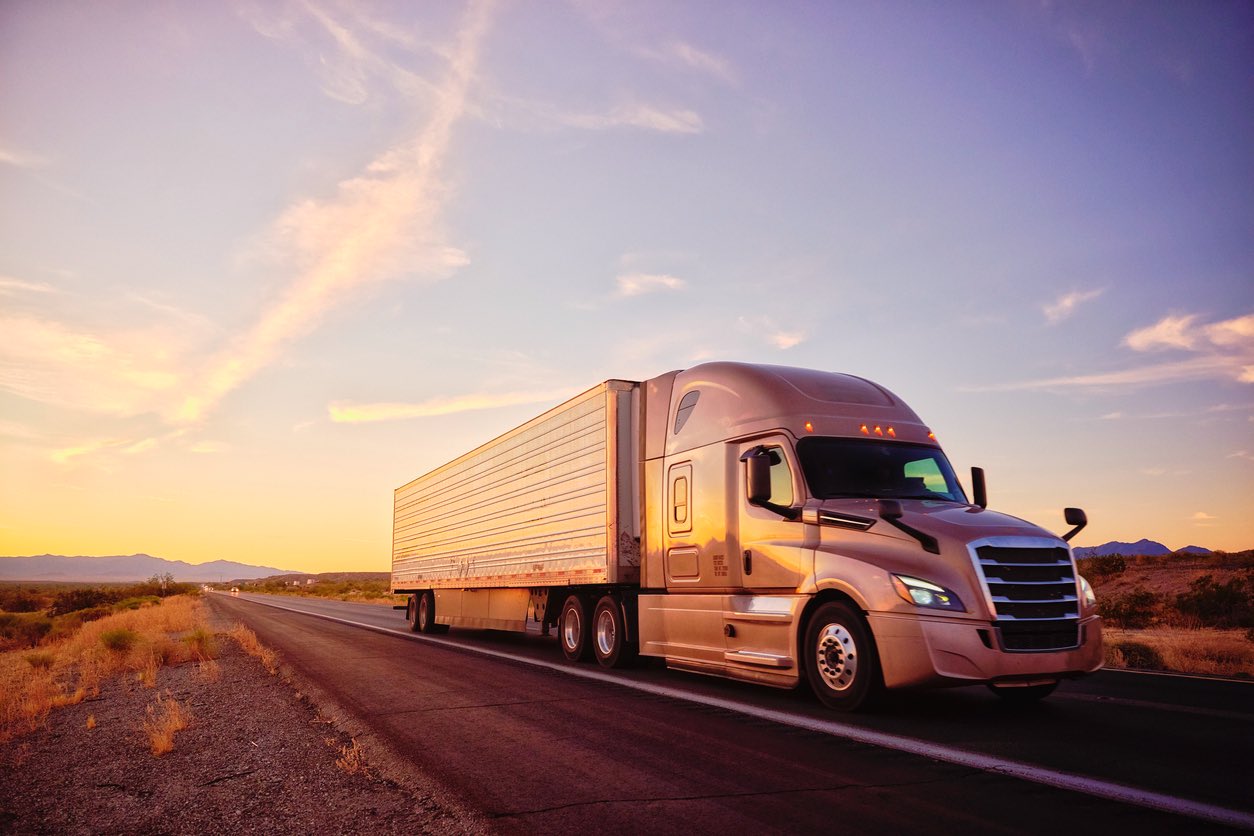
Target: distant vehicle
762, 523
235, 590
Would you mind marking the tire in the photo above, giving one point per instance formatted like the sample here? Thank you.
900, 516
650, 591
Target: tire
424, 616
1024, 694
609, 635
411, 613
840, 658
573, 632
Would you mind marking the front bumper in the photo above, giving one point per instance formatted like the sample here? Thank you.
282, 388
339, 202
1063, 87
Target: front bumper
918, 651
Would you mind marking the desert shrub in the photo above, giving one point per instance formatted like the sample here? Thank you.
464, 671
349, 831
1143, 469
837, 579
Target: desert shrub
201, 644
1228, 604
135, 602
41, 661
1104, 566
72, 600
1133, 609
1139, 655
20, 600
23, 629
119, 639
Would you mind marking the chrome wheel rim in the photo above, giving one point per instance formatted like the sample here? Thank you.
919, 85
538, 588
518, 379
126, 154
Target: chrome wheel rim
836, 657
606, 632
571, 629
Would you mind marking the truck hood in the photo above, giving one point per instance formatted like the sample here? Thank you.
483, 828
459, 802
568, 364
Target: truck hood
947, 521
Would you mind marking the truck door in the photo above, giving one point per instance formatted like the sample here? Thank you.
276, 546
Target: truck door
771, 551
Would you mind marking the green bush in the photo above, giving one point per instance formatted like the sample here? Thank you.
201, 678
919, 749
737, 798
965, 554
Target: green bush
23, 629
1134, 610
1229, 604
72, 600
20, 600
41, 661
135, 602
119, 639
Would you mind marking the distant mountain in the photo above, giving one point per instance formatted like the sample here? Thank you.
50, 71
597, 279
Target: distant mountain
125, 569
1146, 547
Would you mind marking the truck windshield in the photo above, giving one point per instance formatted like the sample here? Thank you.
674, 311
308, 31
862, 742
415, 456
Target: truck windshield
855, 467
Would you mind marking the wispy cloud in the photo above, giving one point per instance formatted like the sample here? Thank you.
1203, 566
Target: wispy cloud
18, 159
638, 284
1203, 519
10, 286
1168, 332
636, 115
346, 413
677, 53
769, 331
1065, 305
383, 224
1221, 351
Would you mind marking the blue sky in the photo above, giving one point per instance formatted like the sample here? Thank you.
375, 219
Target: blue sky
260, 263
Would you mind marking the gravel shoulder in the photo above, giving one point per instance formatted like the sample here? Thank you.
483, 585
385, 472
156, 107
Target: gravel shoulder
259, 756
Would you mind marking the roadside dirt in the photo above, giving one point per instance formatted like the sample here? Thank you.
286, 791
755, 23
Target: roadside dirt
257, 757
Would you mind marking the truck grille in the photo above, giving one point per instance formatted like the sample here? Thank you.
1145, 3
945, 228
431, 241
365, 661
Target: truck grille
1033, 592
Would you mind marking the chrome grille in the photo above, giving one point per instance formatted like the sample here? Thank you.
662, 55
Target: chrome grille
1032, 590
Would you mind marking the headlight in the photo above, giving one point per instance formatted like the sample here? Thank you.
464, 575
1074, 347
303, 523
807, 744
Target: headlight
926, 594
1086, 593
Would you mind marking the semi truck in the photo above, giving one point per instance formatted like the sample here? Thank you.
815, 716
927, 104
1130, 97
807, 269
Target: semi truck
765, 523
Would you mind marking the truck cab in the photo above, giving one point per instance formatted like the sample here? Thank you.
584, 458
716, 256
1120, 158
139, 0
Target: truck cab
800, 524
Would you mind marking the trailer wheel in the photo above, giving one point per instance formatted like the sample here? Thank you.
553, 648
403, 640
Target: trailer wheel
424, 619
573, 631
609, 635
411, 613
1024, 694
840, 658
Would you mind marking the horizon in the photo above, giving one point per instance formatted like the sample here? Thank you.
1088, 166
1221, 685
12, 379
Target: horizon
244, 300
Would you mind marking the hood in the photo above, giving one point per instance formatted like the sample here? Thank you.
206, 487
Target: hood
947, 521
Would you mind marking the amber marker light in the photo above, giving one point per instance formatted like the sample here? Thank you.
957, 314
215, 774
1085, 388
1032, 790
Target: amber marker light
879, 431
864, 430
809, 427
892, 433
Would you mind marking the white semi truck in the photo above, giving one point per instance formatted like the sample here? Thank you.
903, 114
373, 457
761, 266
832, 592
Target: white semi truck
757, 522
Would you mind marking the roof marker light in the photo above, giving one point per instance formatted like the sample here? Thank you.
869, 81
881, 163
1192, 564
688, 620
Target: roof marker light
931, 435
864, 430
878, 430
809, 427
892, 433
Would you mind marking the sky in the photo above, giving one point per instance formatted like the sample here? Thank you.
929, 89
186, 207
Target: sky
262, 262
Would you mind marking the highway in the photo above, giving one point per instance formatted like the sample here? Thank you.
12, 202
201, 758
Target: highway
507, 726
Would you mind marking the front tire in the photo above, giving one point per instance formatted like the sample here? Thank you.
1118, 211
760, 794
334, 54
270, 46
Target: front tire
573, 630
840, 658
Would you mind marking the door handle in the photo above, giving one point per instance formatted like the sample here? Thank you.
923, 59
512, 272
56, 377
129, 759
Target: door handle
748, 562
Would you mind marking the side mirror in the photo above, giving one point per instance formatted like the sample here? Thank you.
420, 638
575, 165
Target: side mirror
1075, 517
758, 475
978, 491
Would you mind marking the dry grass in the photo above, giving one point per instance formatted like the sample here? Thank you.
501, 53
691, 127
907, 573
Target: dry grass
1182, 650
247, 640
166, 717
351, 758
71, 669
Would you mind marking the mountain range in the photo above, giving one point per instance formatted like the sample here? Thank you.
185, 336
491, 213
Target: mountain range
1146, 547
125, 569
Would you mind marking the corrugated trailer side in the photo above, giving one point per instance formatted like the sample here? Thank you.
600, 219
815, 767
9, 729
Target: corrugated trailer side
553, 502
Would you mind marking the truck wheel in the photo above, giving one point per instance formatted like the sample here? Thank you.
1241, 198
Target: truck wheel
609, 635
573, 631
424, 619
411, 613
1024, 694
840, 658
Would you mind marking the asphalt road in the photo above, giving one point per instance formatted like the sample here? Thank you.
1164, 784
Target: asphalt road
538, 744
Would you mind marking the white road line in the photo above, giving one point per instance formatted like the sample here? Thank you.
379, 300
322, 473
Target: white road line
946, 754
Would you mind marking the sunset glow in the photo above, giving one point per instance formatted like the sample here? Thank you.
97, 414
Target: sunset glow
262, 263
